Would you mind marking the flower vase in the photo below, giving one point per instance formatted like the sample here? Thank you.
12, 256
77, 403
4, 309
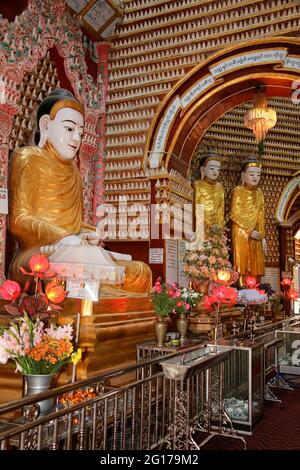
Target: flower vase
38, 384
182, 325
160, 332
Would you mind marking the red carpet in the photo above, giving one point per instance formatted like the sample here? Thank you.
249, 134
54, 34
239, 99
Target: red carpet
279, 429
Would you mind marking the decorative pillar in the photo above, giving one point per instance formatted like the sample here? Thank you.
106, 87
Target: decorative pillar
282, 247
8, 109
102, 50
158, 266
284, 253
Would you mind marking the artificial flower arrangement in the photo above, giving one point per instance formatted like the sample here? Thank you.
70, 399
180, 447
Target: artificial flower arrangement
186, 301
37, 350
287, 289
220, 294
164, 298
39, 303
204, 264
170, 299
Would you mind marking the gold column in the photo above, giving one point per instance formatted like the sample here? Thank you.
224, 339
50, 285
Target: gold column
87, 333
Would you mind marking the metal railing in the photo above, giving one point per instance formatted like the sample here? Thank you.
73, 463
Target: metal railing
128, 417
134, 416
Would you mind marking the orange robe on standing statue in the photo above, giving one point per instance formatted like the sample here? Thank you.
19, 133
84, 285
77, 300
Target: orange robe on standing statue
209, 193
248, 223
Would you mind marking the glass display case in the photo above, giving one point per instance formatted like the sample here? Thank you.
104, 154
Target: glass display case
244, 384
289, 351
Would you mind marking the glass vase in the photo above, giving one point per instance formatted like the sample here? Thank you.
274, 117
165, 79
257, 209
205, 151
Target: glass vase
160, 332
38, 384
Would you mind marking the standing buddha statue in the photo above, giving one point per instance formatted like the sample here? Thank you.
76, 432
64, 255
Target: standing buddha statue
248, 222
209, 192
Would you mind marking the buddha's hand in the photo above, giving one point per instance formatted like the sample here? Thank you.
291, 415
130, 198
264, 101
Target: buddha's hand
264, 246
91, 238
255, 235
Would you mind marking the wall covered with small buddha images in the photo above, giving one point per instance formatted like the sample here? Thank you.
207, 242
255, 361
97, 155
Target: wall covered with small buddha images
33, 89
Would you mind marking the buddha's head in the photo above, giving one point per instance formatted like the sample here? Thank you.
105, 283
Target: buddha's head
61, 123
210, 168
251, 172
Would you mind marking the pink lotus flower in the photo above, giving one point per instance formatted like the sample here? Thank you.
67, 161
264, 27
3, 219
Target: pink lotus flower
39, 304
55, 292
10, 290
293, 294
39, 266
39, 263
250, 282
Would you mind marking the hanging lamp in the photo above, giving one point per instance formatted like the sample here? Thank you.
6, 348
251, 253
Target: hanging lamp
260, 118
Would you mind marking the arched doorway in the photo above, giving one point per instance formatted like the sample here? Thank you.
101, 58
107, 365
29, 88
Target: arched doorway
288, 216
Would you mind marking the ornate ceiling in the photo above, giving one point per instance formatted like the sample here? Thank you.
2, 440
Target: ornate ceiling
99, 17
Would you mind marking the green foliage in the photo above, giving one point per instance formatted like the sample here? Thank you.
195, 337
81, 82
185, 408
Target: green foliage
164, 299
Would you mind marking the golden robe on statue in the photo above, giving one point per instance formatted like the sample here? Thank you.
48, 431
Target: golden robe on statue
211, 195
46, 206
247, 214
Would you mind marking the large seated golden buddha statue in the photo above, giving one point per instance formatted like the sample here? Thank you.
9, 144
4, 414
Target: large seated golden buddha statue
45, 211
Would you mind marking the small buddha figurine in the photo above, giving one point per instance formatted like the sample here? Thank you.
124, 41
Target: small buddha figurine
209, 192
45, 210
248, 222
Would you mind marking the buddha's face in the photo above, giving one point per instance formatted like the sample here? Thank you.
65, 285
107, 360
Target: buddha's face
211, 170
251, 176
64, 132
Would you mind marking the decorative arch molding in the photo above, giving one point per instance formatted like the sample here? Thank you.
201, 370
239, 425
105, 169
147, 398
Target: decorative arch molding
286, 200
225, 80
43, 25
